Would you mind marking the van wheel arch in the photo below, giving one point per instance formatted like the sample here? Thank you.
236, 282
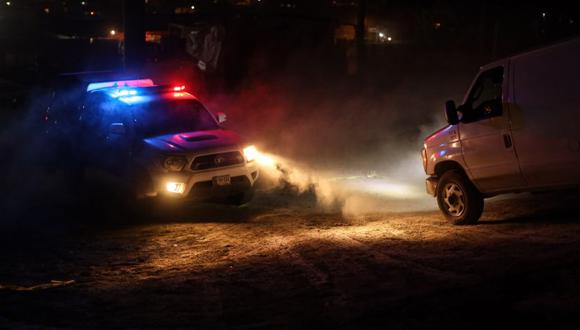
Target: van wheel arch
453, 166
446, 166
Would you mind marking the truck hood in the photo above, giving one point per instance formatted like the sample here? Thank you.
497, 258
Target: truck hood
195, 141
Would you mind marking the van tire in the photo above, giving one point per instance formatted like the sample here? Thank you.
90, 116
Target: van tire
458, 199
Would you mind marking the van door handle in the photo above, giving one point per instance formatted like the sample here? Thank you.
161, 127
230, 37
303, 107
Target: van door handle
507, 141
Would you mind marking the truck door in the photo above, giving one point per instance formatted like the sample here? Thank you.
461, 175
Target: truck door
106, 136
485, 135
117, 138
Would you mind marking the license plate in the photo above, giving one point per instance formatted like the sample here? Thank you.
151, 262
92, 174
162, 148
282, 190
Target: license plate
223, 180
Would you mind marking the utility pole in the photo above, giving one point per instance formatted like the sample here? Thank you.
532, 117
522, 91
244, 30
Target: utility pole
134, 27
360, 33
483, 26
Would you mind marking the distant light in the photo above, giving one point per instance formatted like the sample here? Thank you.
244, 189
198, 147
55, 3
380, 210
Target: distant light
192, 7
47, 10
389, 39
83, 3
113, 32
8, 3
92, 13
543, 14
381, 35
179, 88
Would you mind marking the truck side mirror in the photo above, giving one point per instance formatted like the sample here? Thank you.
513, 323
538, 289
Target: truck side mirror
451, 113
221, 117
117, 129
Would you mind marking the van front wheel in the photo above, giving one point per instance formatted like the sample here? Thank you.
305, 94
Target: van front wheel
458, 199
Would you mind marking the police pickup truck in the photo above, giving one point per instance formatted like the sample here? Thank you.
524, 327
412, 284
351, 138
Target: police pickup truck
160, 141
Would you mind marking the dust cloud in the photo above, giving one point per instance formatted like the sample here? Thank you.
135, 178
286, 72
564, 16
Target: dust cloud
353, 141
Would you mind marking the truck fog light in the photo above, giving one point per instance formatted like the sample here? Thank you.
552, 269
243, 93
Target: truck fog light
175, 187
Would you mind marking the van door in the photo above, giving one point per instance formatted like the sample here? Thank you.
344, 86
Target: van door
485, 135
546, 113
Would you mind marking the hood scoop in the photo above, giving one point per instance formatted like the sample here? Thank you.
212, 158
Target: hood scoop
198, 138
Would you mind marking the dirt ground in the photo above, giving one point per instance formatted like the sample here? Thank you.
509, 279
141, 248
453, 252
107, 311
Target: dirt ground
282, 263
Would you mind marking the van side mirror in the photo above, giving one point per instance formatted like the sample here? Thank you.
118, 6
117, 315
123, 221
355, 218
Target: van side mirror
221, 117
451, 113
117, 129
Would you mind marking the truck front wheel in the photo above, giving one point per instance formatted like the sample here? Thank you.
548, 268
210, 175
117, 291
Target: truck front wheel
458, 199
241, 198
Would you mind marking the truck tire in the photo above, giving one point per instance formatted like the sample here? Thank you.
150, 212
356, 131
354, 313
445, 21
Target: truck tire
241, 198
458, 199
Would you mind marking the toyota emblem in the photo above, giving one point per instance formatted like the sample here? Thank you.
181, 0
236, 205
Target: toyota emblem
219, 160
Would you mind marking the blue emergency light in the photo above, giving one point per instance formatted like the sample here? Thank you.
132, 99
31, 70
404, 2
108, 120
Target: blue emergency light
123, 93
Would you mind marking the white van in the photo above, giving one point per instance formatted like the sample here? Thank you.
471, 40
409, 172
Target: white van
518, 129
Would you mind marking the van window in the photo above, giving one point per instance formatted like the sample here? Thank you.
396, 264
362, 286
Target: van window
485, 98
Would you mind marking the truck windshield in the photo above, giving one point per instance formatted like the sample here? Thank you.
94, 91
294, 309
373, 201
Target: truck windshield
170, 117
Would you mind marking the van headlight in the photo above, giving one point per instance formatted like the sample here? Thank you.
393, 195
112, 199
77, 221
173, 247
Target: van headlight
174, 163
251, 153
424, 156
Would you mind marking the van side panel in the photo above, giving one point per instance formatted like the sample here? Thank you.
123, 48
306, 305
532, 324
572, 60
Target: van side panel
545, 114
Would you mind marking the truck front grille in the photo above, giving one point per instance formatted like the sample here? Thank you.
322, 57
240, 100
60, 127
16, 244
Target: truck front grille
217, 160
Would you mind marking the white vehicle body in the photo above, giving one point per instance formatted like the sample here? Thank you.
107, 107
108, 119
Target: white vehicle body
525, 135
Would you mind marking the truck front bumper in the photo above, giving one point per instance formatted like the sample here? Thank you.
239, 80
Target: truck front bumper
431, 185
202, 185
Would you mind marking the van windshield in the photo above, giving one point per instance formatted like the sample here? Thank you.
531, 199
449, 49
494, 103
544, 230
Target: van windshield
171, 117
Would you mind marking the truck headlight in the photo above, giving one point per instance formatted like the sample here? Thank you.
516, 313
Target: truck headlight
251, 153
174, 163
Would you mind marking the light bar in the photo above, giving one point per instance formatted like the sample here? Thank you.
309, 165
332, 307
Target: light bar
121, 84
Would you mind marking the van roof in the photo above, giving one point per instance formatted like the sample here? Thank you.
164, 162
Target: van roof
528, 52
